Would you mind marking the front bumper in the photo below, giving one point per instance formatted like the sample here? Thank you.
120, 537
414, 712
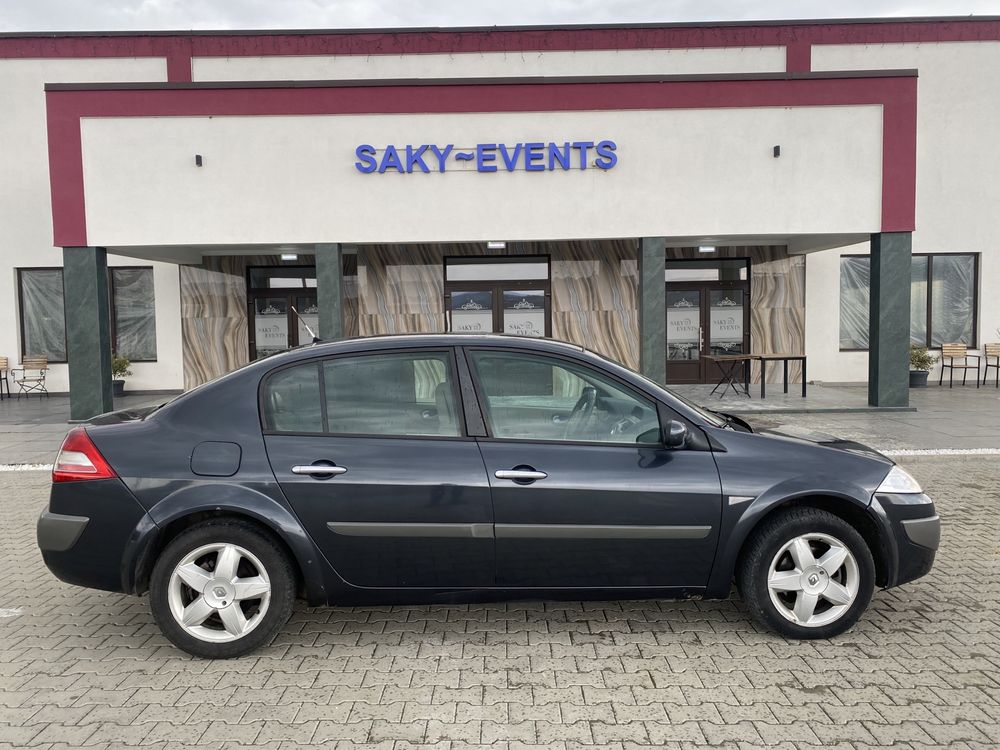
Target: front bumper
85, 530
914, 528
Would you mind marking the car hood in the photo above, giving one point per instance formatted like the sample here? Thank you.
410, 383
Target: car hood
805, 435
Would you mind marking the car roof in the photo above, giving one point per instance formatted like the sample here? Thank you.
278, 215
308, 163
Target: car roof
405, 340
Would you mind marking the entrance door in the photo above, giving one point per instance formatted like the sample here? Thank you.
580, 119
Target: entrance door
498, 295
708, 312
282, 308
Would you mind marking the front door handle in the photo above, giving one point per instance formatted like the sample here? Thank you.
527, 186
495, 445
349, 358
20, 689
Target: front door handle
320, 470
520, 475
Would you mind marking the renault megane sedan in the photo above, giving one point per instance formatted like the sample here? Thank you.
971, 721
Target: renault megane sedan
445, 468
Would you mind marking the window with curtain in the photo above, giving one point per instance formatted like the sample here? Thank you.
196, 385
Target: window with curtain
943, 300
133, 313
43, 320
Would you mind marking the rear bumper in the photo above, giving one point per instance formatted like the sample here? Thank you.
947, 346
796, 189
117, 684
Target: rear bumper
915, 529
85, 531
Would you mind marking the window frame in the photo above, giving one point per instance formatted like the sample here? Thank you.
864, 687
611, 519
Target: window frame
974, 344
448, 352
114, 309
20, 311
663, 411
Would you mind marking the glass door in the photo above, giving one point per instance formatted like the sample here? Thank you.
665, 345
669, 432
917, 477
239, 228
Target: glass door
270, 325
524, 312
684, 335
708, 314
498, 294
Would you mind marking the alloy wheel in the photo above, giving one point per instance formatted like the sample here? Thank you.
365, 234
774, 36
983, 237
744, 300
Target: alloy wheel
813, 580
219, 592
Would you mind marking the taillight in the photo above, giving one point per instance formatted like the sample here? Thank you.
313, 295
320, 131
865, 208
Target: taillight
79, 459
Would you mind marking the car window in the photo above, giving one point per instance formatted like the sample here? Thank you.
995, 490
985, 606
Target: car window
409, 393
292, 401
532, 397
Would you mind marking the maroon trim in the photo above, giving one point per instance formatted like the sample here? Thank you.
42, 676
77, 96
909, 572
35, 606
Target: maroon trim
897, 94
796, 35
798, 57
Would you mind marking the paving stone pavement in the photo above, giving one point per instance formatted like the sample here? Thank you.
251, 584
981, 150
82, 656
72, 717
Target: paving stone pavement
88, 669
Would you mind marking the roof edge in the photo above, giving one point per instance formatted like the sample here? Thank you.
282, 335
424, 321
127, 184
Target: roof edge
508, 28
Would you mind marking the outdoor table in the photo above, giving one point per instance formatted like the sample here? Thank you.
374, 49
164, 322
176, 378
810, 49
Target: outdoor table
729, 364
786, 358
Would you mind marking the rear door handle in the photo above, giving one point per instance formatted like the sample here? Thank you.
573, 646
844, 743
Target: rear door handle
520, 475
320, 470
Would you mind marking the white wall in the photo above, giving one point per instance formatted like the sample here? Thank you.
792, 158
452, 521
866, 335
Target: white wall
486, 64
292, 179
958, 193
25, 209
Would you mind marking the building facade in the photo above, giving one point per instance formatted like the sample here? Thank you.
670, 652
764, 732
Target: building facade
654, 193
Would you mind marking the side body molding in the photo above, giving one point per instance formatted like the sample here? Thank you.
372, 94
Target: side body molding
237, 500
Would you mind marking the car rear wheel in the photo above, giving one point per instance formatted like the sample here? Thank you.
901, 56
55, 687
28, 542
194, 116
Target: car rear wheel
807, 574
221, 589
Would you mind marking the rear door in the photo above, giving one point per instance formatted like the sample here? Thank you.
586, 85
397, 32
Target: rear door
371, 453
584, 493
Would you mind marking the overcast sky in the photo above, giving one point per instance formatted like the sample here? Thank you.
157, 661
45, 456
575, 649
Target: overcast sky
106, 15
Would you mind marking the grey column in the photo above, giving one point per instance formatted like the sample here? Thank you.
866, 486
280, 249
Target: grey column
652, 309
889, 322
88, 330
330, 291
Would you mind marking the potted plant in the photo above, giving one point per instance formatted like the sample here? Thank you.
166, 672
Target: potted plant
121, 368
921, 362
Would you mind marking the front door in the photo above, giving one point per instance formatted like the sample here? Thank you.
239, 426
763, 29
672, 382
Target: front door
509, 294
584, 495
370, 451
706, 314
282, 308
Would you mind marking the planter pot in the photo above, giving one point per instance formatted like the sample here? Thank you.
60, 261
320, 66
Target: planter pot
918, 378
118, 387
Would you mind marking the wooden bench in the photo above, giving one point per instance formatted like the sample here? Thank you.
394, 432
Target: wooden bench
992, 350
32, 380
953, 352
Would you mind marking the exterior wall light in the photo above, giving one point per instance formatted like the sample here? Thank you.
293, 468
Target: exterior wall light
706, 248
289, 256
496, 245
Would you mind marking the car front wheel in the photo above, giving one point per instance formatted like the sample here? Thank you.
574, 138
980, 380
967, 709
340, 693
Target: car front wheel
221, 589
807, 574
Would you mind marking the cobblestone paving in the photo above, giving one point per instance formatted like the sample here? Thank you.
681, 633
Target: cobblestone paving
922, 669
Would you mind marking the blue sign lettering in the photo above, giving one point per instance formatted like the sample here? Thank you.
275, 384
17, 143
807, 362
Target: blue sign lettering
513, 157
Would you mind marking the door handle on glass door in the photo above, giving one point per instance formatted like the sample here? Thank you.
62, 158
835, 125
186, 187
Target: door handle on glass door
520, 475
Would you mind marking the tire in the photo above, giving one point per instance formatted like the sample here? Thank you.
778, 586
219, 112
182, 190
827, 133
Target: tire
777, 590
184, 581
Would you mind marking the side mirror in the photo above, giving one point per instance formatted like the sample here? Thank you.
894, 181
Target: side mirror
675, 434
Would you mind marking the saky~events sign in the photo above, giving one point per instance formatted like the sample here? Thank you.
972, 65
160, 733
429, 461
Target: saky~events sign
488, 157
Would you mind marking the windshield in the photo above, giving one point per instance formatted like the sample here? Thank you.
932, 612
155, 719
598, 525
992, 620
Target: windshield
709, 416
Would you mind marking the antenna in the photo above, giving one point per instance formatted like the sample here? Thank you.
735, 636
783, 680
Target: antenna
305, 325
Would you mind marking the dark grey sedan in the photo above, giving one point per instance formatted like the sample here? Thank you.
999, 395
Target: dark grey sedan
444, 468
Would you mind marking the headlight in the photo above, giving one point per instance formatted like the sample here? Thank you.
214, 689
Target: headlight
899, 481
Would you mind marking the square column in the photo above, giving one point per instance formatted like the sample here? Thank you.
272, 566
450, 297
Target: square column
330, 291
652, 309
88, 330
889, 321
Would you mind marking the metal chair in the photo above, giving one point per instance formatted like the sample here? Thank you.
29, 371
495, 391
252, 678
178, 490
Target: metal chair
992, 350
32, 378
953, 352
4, 370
